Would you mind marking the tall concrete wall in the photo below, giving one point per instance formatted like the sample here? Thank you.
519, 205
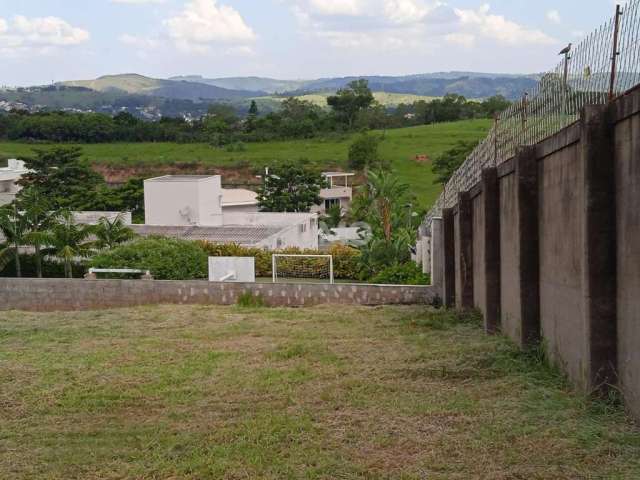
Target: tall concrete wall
627, 136
458, 269
62, 295
568, 231
478, 254
510, 305
561, 270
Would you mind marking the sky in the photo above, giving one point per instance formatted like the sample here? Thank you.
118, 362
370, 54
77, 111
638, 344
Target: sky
43, 41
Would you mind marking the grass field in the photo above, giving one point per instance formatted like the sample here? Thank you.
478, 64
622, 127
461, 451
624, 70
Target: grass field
384, 98
400, 147
272, 102
173, 392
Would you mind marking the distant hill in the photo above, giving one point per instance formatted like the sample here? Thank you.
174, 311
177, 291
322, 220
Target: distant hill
172, 89
469, 84
189, 96
269, 85
436, 85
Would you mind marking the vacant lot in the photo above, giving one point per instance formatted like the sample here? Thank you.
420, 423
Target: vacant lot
400, 147
329, 392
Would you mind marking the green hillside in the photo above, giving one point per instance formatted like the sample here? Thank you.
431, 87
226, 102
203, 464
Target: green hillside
384, 98
399, 147
130, 83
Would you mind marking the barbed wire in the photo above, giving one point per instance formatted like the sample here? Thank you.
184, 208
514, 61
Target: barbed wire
602, 66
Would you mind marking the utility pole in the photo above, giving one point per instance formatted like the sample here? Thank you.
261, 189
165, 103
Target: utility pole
616, 53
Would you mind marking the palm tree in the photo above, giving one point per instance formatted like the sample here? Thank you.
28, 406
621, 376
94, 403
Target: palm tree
14, 228
385, 191
67, 240
110, 233
39, 218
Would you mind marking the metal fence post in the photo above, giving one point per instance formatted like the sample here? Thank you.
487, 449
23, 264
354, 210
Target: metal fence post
615, 53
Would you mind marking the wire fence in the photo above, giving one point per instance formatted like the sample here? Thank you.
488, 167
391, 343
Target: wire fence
602, 66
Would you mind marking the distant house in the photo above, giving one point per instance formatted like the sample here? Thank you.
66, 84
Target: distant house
239, 200
9, 177
194, 207
338, 193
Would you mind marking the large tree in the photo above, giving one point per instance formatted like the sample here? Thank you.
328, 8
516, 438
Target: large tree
290, 188
68, 240
386, 205
110, 233
39, 218
351, 100
62, 178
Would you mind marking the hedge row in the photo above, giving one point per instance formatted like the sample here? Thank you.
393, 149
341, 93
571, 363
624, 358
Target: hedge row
345, 259
171, 259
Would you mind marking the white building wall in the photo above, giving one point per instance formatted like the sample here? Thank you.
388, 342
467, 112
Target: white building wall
210, 201
231, 209
293, 237
190, 202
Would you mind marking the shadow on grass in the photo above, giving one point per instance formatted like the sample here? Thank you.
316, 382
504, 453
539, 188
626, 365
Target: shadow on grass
498, 357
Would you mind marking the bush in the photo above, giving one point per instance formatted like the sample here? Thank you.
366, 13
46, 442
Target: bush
345, 259
249, 300
166, 258
402, 274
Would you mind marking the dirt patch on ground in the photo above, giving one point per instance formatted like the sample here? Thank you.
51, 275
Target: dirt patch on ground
116, 175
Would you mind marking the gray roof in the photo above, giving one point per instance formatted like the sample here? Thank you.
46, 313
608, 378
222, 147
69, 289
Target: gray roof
248, 235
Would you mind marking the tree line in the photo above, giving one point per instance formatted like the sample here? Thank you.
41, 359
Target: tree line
351, 108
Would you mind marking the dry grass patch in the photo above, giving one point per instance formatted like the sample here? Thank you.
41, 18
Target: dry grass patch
327, 392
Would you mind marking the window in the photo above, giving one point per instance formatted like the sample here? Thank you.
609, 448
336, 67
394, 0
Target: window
331, 202
302, 227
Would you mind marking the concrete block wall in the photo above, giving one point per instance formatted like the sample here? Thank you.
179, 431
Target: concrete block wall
566, 270
63, 295
627, 179
478, 253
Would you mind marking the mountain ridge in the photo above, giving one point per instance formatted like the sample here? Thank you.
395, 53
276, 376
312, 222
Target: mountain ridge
134, 83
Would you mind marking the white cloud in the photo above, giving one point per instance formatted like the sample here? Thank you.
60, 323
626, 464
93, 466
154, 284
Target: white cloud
405, 11
498, 28
38, 35
338, 7
203, 24
404, 24
554, 16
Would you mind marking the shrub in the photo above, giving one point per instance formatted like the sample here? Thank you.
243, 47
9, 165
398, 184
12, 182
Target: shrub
249, 300
402, 274
363, 151
345, 259
166, 258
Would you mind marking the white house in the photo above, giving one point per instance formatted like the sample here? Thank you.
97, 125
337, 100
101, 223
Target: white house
236, 200
339, 192
9, 177
192, 207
